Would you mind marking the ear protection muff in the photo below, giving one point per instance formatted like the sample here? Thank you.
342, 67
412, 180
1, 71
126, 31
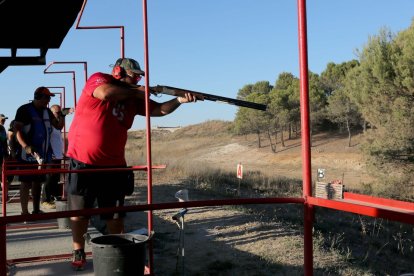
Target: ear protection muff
118, 72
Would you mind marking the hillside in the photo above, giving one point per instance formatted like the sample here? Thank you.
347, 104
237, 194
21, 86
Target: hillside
212, 143
260, 239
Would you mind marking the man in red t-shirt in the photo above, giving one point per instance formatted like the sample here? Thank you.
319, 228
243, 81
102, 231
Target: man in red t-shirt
97, 139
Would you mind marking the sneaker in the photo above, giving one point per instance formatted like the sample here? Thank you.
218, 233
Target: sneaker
78, 259
49, 205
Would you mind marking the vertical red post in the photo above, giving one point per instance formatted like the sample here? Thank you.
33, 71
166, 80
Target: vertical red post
304, 116
4, 188
148, 123
3, 252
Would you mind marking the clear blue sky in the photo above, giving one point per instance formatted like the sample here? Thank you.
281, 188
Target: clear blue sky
211, 46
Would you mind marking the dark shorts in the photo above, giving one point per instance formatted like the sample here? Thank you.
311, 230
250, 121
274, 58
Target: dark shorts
105, 188
31, 177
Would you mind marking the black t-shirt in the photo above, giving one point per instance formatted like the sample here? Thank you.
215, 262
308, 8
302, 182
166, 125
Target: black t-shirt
23, 114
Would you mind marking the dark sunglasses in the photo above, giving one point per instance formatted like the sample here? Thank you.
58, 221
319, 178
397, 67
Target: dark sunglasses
135, 77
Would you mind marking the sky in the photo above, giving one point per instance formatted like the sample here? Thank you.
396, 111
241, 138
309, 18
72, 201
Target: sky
216, 47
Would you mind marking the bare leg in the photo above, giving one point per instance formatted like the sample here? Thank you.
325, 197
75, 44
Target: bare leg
36, 190
79, 228
24, 196
115, 226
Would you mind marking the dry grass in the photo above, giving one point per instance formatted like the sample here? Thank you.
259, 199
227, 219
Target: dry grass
268, 239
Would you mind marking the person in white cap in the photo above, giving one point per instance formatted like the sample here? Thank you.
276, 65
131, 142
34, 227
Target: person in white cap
97, 139
33, 123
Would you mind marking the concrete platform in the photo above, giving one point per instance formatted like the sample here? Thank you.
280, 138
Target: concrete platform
41, 247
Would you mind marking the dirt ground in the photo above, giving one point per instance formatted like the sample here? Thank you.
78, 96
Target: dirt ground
328, 151
227, 241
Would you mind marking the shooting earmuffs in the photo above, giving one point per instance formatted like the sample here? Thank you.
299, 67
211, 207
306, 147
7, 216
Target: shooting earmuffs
118, 72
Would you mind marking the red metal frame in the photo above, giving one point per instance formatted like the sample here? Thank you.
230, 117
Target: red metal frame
62, 94
101, 27
354, 203
85, 69
148, 133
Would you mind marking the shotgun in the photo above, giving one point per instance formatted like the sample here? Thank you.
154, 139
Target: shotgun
173, 91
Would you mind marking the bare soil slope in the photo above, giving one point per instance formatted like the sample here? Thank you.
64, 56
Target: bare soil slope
229, 240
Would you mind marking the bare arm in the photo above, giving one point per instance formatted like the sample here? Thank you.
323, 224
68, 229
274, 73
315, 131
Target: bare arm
119, 92
124, 91
168, 107
59, 121
19, 135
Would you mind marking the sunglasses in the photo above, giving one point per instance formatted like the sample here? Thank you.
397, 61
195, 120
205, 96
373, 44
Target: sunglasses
135, 77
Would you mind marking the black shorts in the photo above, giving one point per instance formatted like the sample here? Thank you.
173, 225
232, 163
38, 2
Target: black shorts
31, 177
104, 187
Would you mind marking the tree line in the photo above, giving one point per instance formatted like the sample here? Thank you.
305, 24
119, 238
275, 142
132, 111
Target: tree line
373, 93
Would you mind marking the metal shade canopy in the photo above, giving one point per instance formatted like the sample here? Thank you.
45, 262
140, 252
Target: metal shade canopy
34, 24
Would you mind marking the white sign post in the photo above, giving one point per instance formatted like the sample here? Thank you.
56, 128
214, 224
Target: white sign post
239, 175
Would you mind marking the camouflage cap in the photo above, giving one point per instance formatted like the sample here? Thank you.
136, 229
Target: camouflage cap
129, 64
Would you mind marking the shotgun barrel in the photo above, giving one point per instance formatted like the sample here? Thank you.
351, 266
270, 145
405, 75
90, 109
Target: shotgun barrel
173, 91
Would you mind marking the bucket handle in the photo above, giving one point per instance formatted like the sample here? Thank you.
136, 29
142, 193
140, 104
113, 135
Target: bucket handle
88, 238
147, 239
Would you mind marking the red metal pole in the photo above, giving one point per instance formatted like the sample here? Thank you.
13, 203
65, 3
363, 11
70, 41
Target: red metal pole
74, 90
148, 123
64, 97
3, 251
4, 187
73, 77
306, 151
60, 97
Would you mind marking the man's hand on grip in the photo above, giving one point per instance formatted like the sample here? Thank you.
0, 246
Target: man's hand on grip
29, 150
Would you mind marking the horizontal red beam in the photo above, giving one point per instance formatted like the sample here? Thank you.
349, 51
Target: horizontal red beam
43, 258
46, 171
380, 201
145, 207
31, 226
364, 209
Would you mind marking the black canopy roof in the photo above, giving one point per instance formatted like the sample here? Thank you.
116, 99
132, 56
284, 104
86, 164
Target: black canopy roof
34, 24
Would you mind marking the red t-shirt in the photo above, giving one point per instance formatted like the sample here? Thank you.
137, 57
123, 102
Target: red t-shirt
98, 133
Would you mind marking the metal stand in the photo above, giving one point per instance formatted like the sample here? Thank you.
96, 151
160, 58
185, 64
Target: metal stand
179, 220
